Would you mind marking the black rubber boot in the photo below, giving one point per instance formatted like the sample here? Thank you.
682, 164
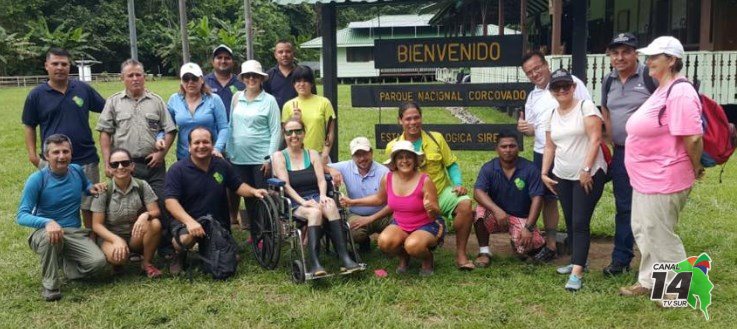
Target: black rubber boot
314, 233
336, 234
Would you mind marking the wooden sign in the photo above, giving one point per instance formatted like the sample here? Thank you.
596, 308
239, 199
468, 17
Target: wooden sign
486, 51
477, 137
478, 94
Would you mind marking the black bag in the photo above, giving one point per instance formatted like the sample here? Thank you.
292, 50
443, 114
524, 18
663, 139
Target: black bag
217, 249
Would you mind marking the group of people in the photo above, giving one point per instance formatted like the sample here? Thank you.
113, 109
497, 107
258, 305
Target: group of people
229, 128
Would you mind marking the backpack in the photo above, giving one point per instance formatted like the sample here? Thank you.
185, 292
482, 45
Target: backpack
719, 134
646, 78
217, 249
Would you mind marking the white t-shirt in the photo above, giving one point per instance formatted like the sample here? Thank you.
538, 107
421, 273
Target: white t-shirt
568, 133
539, 105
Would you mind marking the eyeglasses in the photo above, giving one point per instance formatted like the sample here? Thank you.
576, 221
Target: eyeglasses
560, 88
190, 77
120, 164
247, 76
535, 70
294, 132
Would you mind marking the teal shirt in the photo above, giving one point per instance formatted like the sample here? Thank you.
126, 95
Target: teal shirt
47, 196
255, 129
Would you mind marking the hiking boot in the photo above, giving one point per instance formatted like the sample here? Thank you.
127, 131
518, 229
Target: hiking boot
50, 295
615, 269
634, 291
545, 255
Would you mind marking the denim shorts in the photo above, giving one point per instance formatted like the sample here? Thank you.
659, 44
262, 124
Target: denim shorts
436, 228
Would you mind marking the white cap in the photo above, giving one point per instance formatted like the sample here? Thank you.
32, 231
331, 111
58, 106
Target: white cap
404, 146
253, 66
360, 143
190, 68
663, 45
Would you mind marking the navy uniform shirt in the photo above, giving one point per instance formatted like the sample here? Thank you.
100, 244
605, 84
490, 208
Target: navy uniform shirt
201, 193
281, 87
514, 195
226, 93
66, 114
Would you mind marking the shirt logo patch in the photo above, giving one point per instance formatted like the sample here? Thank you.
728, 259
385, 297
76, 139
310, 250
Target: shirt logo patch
218, 177
78, 100
519, 183
233, 89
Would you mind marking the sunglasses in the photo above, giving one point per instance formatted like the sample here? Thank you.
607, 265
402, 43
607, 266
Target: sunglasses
560, 88
294, 132
190, 77
247, 76
120, 164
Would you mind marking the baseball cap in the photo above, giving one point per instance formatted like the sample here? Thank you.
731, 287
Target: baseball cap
560, 75
360, 144
663, 45
191, 68
626, 39
220, 48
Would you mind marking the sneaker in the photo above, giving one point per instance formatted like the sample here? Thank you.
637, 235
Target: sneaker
615, 269
569, 268
545, 255
51, 295
634, 290
574, 283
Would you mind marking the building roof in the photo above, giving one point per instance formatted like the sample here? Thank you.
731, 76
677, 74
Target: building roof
294, 2
355, 34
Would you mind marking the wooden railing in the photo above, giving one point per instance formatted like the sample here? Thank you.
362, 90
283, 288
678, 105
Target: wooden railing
32, 80
716, 70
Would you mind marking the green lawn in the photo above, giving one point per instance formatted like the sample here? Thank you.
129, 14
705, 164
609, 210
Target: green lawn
510, 293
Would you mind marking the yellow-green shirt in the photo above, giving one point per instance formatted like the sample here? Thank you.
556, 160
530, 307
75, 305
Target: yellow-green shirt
316, 112
437, 158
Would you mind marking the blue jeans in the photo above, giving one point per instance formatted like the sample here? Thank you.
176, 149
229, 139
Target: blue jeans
623, 238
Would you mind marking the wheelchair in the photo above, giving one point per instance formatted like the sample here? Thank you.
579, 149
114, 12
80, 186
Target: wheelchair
275, 226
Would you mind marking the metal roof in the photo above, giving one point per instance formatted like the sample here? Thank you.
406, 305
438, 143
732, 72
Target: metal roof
393, 21
294, 2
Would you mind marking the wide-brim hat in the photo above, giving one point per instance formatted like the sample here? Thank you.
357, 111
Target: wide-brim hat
252, 66
663, 45
404, 146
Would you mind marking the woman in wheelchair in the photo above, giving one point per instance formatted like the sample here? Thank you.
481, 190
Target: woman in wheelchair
302, 171
412, 196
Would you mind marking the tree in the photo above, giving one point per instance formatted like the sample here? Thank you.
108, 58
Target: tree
13, 51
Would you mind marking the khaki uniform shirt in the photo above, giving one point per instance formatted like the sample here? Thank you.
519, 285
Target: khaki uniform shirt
124, 207
133, 125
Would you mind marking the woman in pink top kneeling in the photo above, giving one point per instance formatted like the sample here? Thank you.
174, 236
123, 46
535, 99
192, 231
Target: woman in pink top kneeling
663, 159
412, 196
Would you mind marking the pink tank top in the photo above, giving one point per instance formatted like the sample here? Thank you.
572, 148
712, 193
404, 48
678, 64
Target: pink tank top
409, 213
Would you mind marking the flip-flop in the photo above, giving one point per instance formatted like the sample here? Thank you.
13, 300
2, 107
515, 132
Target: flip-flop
481, 264
467, 267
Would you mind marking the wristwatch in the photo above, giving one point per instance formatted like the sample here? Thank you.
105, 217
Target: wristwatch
586, 169
530, 227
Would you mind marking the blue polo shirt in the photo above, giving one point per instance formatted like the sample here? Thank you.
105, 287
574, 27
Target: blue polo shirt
359, 186
513, 195
67, 114
281, 87
226, 93
201, 193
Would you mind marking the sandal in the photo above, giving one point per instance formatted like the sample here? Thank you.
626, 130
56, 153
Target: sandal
151, 271
467, 267
482, 264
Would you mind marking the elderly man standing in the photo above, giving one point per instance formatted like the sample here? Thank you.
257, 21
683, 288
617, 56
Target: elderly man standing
625, 89
280, 83
62, 106
362, 177
222, 80
538, 110
50, 204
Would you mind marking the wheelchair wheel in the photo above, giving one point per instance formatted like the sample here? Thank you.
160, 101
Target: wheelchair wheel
266, 234
298, 272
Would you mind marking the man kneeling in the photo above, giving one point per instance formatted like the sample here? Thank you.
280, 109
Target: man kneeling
509, 192
127, 217
50, 204
195, 187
